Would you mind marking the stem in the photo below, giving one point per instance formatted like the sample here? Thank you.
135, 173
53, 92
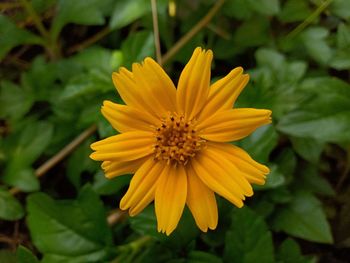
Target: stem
309, 19
43, 169
101, 34
9, 5
37, 21
156, 31
187, 37
115, 216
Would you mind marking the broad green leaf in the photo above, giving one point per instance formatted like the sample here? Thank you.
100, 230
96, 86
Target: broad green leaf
273, 180
308, 148
196, 256
145, 223
83, 12
289, 252
126, 12
260, 143
104, 186
315, 42
294, 10
341, 8
311, 180
326, 114
15, 101
79, 162
251, 33
12, 36
304, 218
24, 255
265, 7
138, 46
7, 256
83, 85
248, 239
341, 59
94, 58
28, 145
239, 9
69, 230
10, 208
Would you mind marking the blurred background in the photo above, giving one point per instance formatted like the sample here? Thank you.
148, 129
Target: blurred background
57, 57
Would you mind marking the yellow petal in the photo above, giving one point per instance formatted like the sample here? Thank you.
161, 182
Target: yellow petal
193, 86
234, 124
147, 88
142, 186
123, 147
252, 170
221, 176
224, 92
125, 118
170, 197
201, 201
158, 87
115, 168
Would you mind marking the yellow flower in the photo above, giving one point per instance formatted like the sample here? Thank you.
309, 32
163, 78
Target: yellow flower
176, 141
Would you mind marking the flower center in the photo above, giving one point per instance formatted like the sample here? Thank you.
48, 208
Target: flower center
176, 140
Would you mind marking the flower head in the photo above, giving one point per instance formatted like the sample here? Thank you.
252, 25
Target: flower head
176, 141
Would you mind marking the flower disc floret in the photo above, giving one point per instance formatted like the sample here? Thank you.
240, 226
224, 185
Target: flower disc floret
176, 140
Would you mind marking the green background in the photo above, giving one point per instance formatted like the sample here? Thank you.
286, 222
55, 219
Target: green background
57, 57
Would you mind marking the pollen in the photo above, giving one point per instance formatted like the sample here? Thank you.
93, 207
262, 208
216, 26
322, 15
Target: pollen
176, 140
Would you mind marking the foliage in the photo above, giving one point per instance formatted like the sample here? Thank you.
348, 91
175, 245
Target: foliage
57, 57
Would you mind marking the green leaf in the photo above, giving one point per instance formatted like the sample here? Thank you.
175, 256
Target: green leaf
73, 230
311, 180
289, 252
79, 162
12, 36
239, 9
314, 40
15, 101
82, 12
7, 256
273, 180
145, 223
202, 257
28, 145
308, 148
24, 255
104, 186
304, 218
10, 208
126, 12
138, 46
341, 59
260, 143
325, 116
341, 8
294, 11
265, 7
248, 239
251, 33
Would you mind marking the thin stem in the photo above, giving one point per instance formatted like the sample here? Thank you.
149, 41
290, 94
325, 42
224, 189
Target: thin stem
187, 37
88, 42
43, 169
37, 21
156, 31
115, 216
9, 5
309, 19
